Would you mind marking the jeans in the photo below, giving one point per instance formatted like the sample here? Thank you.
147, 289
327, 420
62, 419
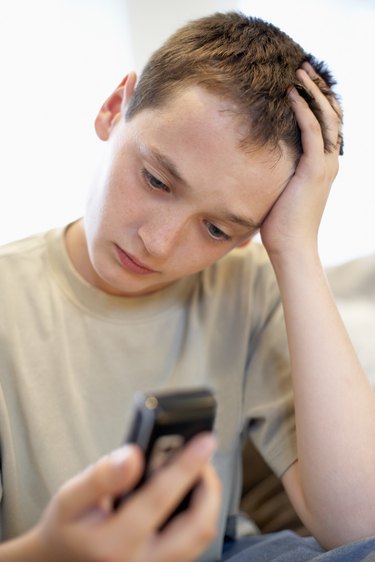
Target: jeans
286, 546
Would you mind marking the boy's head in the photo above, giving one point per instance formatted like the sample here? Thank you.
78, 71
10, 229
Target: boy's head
208, 143
243, 59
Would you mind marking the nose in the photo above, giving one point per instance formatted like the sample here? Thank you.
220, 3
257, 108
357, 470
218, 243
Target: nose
162, 234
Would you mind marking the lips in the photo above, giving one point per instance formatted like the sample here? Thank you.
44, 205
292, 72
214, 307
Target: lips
132, 264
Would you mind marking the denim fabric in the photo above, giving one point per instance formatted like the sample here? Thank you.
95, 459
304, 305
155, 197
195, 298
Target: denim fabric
286, 546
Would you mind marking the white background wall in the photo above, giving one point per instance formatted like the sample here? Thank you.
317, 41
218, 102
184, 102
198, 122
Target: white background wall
61, 58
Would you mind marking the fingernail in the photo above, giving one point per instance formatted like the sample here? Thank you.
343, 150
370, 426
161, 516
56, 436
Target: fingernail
119, 456
307, 66
302, 74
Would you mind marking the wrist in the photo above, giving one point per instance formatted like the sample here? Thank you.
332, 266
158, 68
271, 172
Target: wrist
296, 268
297, 255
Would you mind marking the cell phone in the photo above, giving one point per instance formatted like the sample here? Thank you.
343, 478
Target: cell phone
163, 422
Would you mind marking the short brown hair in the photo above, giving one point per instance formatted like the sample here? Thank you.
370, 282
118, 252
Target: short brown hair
244, 59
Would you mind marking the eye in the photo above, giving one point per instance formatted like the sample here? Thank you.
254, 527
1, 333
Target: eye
153, 182
216, 233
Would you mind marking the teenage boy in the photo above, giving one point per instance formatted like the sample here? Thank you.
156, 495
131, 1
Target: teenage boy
229, 131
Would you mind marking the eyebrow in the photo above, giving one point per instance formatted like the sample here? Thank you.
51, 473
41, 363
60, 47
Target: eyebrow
242, 221
163, 161
170, 167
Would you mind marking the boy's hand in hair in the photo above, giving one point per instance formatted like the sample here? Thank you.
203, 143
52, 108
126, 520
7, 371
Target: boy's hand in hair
292, 224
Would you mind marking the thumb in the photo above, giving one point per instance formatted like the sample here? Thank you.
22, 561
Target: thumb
113, 474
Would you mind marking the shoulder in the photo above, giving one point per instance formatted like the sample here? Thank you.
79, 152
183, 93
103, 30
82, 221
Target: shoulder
240, 287
249, 260
248, 268
22, 249
26, 283
22, 264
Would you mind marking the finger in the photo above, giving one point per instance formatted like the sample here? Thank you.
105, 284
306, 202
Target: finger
311, 133
190, 532
114, 474
327, 105
323, 87
161, 494
317, 91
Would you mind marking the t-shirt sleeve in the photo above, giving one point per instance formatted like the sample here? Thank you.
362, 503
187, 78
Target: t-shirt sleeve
268, 395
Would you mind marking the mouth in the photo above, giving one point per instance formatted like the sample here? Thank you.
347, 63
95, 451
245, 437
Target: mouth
132, 264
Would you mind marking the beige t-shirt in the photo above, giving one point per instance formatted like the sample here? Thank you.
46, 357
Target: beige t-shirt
71, 358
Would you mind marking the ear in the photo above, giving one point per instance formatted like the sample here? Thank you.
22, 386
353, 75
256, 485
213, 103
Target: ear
113, 107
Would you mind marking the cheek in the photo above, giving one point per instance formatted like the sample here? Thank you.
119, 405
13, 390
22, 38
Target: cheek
113, 198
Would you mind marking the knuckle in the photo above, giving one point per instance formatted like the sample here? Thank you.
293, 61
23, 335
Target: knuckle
315, 127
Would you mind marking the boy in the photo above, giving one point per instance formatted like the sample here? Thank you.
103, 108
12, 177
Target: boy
212, 145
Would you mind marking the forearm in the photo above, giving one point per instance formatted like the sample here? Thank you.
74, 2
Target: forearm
335, 406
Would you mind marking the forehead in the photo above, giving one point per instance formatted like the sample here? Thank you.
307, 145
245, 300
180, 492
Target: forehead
201, 134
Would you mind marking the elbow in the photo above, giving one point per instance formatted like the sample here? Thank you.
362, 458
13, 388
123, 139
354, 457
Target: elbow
342, 537
335, 532
333, 519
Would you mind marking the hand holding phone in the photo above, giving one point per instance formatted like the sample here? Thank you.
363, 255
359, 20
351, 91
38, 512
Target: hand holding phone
78, 523
163, 422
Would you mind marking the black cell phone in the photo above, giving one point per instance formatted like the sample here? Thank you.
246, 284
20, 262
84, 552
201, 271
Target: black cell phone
163, 422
